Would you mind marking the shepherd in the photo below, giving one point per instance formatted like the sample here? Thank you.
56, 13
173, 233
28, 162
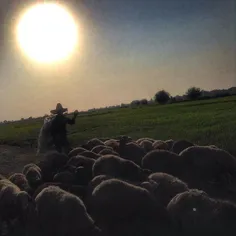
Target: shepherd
58, 128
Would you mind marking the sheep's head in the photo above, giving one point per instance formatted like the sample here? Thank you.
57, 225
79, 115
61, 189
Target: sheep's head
124, 140
34, 176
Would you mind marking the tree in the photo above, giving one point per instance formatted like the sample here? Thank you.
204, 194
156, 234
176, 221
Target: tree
193, 93
162, 97
135, 103
144, 101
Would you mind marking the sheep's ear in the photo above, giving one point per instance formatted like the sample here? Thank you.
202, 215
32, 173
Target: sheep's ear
23, 199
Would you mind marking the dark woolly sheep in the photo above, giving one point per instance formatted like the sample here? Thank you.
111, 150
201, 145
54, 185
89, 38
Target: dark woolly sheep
51, 164
20, 181
15, 204
146, 145
147, 139
80, 160
33, 174
76, 151
162, 161
91, 186
210, 169
108, 151
195, 213
167, 187
159, 144
120, 208
64, 177
84, 169
90, 154
114, 144
119, 168
92, 143
130, 151
77, 190
180, 145
99, 148
96, 181
62, 213
68, 167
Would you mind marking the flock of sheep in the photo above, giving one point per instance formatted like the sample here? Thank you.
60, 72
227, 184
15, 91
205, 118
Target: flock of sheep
123, 188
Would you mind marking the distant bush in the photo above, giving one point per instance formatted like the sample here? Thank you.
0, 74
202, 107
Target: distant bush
144, 102
135, 103
162, 97
193, 93
172, 100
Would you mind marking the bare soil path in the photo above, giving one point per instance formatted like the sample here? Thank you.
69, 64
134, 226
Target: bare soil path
13, 159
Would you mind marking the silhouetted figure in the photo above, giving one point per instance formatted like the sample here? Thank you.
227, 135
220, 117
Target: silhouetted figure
58, 128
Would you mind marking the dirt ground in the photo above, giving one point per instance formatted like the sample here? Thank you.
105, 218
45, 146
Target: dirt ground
13, 159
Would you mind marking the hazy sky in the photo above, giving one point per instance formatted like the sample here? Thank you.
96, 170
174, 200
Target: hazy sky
129, 49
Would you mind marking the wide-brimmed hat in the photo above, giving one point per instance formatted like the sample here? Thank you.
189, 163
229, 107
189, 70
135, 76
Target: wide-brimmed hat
59, 109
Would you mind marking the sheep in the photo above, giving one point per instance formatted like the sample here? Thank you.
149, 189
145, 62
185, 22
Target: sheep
90, 154
114, 144
51, 163
20, 181
108, 151
166, 186
130, 151
64, 177
96, 181
76, 151
195, 213
77, 190
120, 208
15, 204
144, 139
33, 174
180, 145
99, 148
159, 144
84, 168
62, 213
68, 167
119, 168
146, 145
162, 161
210, 169
80, 160
91, 186
92, 143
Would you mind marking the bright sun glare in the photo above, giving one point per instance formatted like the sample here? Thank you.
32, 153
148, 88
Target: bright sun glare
47, 33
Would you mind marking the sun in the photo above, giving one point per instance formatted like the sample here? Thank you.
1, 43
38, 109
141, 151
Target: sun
47, 33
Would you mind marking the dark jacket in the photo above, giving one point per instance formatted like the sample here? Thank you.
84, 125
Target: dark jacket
59, 125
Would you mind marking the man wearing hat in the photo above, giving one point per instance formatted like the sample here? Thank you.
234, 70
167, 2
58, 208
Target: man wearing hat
58, 128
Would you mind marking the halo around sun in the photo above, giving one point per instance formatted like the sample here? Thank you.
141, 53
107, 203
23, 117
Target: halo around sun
47, 33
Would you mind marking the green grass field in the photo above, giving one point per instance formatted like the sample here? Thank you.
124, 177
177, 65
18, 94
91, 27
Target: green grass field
202, 122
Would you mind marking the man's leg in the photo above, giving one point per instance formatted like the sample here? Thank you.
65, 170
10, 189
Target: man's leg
66, 145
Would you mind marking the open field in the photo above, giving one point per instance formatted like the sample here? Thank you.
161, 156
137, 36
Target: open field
203, 122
